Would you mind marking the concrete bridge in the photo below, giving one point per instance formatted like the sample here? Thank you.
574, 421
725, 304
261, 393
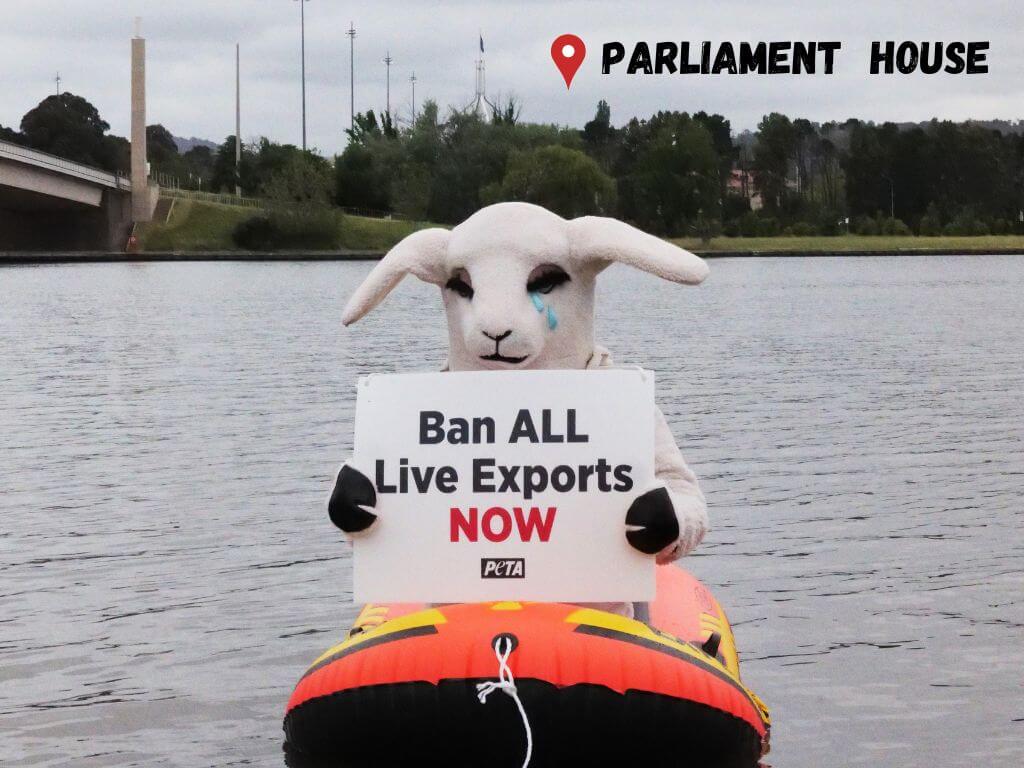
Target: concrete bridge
49, 203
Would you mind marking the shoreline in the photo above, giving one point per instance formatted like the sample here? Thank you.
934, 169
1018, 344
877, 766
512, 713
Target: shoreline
97, 257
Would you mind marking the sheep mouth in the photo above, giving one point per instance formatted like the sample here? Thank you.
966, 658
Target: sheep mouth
496, 358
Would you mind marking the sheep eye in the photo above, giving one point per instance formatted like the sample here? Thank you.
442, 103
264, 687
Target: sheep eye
458, 284
547, 281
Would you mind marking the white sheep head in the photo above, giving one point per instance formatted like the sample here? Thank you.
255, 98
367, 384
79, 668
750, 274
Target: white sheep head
518, 282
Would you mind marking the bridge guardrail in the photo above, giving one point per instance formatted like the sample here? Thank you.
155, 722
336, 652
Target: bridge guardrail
257, 202
213, 197
373, 213
60, 165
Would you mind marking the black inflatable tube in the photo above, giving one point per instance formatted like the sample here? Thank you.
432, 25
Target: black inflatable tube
420, 724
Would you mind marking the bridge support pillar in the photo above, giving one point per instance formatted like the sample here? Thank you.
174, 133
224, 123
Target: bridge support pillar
142, 199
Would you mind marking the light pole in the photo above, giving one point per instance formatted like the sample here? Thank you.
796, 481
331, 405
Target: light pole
413, 81
892, 197
238, 121
302, 14
352, 75
387, 65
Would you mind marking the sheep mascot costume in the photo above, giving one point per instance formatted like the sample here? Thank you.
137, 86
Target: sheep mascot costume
518, 287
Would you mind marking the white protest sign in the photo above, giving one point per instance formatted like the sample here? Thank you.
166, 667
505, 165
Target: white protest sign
504, 485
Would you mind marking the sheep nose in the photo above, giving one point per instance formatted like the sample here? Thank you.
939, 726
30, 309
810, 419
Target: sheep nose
499, 337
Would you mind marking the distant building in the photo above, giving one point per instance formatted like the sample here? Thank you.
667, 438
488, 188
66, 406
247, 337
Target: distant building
741, 182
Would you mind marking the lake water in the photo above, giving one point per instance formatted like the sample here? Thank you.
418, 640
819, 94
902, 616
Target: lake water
167, 569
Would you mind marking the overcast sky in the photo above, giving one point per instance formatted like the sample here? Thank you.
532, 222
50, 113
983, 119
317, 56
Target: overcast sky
191, 59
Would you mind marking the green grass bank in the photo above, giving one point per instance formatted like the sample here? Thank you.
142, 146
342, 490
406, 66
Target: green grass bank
841, 244
197, 226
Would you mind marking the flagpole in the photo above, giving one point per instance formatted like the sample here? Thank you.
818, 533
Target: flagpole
481, 72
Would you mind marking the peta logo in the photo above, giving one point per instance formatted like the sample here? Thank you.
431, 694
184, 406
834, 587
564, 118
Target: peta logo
502, 568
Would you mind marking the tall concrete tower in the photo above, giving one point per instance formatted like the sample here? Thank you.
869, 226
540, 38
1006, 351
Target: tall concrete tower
142, 209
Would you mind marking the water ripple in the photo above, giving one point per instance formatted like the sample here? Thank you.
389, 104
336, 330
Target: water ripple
171, 432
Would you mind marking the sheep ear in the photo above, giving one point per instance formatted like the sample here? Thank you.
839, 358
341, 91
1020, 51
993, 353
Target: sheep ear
421, 254
602, 241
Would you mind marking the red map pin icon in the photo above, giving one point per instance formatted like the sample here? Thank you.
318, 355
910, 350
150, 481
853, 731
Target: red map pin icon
568, 52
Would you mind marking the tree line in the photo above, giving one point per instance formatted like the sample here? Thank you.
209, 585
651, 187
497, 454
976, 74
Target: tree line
676, 173
69, 126
673, 173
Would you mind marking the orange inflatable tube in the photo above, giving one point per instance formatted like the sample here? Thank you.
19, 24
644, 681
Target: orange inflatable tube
592, 687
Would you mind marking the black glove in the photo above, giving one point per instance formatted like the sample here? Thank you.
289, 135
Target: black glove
651, 523
352, 496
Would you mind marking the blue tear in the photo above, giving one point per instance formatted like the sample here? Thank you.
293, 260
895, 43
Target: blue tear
538, 302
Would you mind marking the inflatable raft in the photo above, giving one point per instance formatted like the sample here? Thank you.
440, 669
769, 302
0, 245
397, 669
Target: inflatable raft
414, 685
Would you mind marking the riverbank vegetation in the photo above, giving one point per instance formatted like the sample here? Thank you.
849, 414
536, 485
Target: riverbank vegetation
881, 244
203, 226
194, 226
674, 173
688, 175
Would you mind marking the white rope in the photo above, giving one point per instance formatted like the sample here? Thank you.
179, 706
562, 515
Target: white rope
507, 683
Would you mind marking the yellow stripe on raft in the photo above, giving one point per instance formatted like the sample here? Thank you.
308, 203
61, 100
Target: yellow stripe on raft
429, 617
638, 629
507, 606
727, 648
626, 626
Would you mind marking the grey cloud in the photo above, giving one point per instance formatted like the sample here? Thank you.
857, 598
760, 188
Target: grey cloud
191, 59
